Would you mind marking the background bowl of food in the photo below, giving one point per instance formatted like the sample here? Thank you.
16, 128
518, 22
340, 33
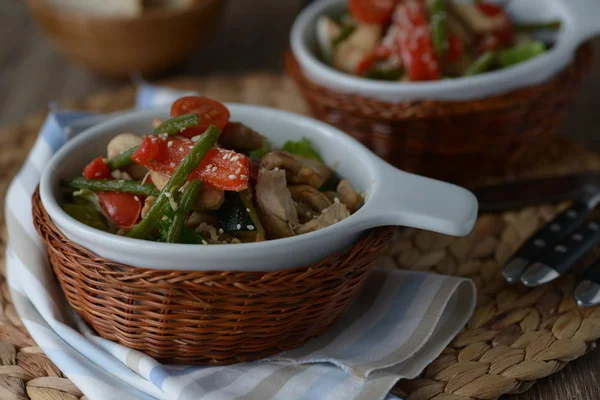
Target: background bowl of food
219, 292
460, 91
121, 37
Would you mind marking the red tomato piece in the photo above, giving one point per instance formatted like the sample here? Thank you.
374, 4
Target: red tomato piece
97, 169
123, 208
147, 151
496, 40
211, 112
455, 48
372, 11
416, 45
220, 168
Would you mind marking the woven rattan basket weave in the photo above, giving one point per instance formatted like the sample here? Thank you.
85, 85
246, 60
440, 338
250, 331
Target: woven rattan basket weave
457, 141
207, 317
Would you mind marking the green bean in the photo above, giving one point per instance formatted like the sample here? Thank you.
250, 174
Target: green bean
439, 26
543, 26
345, 33
174, 125
122, 160
246, 198
521, 53
188, 198
178, 179
385, 74
111, 185
88, 215
482, 64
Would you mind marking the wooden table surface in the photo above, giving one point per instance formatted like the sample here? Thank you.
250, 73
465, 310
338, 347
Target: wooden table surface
32, 74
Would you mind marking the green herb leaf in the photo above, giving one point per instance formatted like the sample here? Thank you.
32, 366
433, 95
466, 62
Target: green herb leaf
302, 147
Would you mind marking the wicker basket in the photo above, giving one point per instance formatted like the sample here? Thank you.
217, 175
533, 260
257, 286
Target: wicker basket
208, 317
458, 141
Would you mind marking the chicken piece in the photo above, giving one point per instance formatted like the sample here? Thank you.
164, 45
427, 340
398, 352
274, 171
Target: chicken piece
299, 170
474, 19
147, 205
124, 142
241, 138
209, 198
121, 143
305, 212
275, 204
348, 196
310, 196
197, 217
335, 213
360, 43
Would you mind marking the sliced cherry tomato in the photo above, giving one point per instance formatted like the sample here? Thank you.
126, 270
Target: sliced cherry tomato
416, 46
496, 40
123, 208
372, 11
455, 48
97, 169
220, 168
211, 112
147, 151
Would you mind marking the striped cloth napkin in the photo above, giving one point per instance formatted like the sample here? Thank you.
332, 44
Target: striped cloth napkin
397, 325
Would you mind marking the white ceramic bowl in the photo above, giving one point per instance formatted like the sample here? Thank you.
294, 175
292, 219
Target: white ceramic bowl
394, 197
580, 21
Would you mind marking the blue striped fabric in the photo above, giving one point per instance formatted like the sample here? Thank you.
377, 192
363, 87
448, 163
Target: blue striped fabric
399, 322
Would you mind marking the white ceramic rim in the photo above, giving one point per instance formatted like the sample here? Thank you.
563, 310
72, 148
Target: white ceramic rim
579, 23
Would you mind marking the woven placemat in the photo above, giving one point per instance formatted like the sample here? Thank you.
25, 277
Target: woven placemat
515, 337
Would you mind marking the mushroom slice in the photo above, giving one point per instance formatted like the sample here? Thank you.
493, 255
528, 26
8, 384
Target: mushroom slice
209, 198
159, 180
359, 44
298, 169
241, 138
147, 205
333, 214
275, 204
348, 195
327, 31
309, 195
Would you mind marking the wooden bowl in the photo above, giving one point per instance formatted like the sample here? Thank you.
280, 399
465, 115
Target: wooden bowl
119, 46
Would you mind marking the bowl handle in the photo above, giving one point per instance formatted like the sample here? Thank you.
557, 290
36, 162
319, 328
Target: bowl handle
584, 15
404, 199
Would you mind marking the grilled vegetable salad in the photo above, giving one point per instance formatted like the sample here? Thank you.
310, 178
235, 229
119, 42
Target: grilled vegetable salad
201, 179
424, 40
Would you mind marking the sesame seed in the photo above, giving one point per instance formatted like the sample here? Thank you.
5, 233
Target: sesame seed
250, 227
136, 198
170, 143
244, 177
235, 158
221, 231
237, 171
172, 164
336, 200
121, 181
239, 226
195, 138
164, 218
276, 169
204, 242
232, 176
247, 209
214, 169
209, 166
153, 140
168, 194
225, 157
97, 174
